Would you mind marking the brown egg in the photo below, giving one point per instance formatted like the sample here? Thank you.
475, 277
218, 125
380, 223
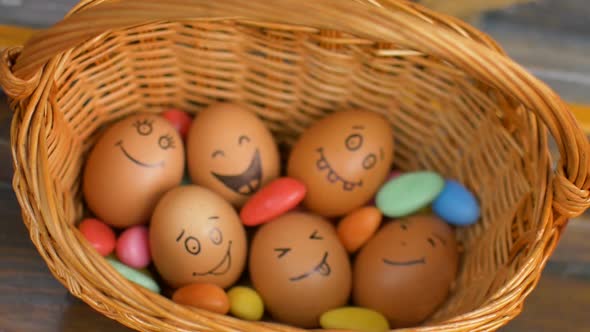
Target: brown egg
299, 268
132, 165
406, 270
230, 151
343, 160
197, 237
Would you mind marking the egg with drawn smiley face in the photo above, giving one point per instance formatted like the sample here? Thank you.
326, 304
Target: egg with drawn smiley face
230, 151
299, 268
196, 236
343, 159
133, 163
406, 270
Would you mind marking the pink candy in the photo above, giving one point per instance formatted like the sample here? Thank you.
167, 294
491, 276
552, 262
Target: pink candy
99, 234
133, 247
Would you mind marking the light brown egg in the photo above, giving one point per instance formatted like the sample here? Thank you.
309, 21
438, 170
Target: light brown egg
343, 159
230, 151
299, 268
406, 270
133, 163
197, 237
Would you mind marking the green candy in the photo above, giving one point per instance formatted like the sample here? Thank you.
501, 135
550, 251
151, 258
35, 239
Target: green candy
355, 319
409, 193
142, 278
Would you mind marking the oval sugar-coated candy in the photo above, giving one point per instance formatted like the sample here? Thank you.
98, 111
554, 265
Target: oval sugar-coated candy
179, 120
394, 174
140, 277
100, 235
245, 303
274, 199
409, 193
354, 319
133, 247
456, 205
204, 296
357, 227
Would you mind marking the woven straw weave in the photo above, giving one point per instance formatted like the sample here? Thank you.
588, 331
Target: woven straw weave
457, 103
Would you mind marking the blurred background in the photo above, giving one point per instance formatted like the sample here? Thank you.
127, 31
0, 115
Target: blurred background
551, 38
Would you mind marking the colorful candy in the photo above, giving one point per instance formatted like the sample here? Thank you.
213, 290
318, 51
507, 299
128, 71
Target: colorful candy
179, 120
273, 200
409, 193
99, 234
356, 229
140, 277
133, 248
203, 296
456, 205
245, 303
354, 319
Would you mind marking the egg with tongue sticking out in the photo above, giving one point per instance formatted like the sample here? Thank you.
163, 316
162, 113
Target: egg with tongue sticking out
299, 268
230, 151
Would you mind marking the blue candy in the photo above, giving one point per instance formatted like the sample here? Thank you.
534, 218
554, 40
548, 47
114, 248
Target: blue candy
456, 205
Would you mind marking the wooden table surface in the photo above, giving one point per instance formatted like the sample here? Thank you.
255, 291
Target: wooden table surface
32, 300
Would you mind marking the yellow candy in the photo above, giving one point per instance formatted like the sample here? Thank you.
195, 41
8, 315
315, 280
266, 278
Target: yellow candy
245, 303
355, 319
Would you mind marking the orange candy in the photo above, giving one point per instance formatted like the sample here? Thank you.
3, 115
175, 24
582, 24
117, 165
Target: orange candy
358, 227
203, 296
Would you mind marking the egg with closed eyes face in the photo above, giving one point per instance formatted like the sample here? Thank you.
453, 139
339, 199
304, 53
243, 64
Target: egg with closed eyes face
197, 237
133, 163
342, 159
299, 268
230, 151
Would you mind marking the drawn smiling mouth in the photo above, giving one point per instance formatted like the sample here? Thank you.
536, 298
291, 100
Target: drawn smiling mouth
332, 176
222, 267
323, 269
247, 182
405, 263
134, 160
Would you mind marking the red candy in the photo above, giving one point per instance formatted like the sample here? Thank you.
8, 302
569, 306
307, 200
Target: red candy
274, 199
133, 247
100, 236
179, 119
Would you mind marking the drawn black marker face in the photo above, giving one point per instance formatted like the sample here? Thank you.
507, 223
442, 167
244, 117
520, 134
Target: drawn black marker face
155, 142
352, 146
322, 268
426, 244
212, 246
246, 182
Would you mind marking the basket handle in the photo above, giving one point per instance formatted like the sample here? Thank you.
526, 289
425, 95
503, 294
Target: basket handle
571, 182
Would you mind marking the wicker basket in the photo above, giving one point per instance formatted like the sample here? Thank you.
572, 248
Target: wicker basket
457, 103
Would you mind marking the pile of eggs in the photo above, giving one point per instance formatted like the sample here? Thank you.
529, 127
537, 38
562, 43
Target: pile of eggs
201, 211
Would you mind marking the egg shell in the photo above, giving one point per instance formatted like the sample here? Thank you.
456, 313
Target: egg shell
140, 277
133, 163
276, 198
408, 193
197, 237
230, 151
406, 270
245, 303
179, 120
208, 297
456, 205
133, 248
354, 319
357, 227
299, 268
342, 159
99, 234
